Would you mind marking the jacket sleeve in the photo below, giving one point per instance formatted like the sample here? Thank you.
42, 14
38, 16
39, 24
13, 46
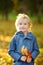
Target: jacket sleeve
12, 50
35, 49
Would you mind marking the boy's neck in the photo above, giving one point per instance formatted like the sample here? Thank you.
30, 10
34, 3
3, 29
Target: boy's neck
25, 33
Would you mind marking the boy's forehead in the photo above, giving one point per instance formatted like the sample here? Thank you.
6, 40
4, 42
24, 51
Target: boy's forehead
23, 20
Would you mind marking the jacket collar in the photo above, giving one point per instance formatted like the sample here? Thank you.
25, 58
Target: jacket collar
29, 34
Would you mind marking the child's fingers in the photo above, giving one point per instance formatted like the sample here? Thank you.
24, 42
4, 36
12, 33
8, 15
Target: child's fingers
29, 60
23, 58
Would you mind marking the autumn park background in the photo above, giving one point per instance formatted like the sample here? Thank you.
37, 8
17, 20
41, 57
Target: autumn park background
8, 12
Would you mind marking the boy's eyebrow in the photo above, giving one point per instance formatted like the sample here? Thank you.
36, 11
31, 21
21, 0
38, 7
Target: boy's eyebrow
24, 17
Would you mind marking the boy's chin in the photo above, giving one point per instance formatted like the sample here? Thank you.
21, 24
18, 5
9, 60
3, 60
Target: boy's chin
23, 30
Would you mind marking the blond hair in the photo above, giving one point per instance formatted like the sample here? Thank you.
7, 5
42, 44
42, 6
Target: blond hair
23, 16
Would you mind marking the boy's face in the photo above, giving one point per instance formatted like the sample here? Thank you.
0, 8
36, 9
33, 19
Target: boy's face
23, 25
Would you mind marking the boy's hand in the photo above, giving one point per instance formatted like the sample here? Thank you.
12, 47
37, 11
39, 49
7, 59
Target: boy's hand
23, 58
29, 59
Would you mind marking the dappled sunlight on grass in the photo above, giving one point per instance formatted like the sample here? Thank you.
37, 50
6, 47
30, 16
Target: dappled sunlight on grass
39, 59
5, 38
4, 57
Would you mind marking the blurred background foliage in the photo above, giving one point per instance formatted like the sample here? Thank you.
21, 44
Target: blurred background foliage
9, 9
31, 7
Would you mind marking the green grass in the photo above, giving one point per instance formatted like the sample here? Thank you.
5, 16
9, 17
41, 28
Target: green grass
35, 18
12, 16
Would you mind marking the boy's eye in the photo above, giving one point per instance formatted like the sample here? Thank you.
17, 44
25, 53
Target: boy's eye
25, 24
20, 23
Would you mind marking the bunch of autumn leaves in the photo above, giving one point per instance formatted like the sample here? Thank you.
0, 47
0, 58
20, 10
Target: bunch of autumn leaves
25, 52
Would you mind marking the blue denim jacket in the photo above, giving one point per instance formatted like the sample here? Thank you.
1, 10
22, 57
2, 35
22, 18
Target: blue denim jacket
17, 41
